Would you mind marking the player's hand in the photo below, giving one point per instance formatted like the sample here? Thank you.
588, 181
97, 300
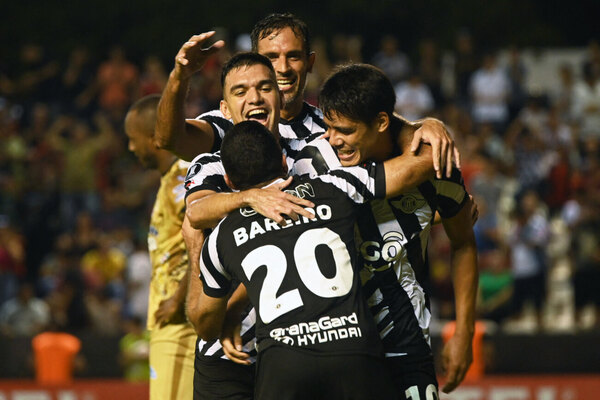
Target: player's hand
166, 310
274, 203
434, 132
192, 55
457, 356
231, 340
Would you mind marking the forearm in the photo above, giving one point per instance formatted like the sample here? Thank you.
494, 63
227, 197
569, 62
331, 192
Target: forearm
210, 319
194, 290
465, 278
180, 294
238, 301
407, 171
207, 209
170, 121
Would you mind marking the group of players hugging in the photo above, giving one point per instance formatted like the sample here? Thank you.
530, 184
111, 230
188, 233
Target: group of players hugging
289, 242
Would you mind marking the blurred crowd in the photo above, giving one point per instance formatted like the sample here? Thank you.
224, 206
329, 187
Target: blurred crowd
75, 205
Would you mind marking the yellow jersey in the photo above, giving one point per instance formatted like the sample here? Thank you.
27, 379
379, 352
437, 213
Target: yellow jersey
165, 242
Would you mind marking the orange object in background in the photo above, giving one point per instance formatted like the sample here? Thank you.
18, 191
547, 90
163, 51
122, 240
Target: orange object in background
54, 354
477, 368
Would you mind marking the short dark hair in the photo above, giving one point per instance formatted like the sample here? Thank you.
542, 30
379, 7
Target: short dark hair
244, 59
146, 109
357, 91
276, 22
251, 155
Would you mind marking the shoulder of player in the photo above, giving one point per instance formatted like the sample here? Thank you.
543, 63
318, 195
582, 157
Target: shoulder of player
213, 115
217, 120
206, 158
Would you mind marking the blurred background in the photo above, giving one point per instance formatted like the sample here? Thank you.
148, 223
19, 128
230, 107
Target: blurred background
516, 82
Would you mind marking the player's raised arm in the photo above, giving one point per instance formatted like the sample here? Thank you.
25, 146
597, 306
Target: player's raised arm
185, 137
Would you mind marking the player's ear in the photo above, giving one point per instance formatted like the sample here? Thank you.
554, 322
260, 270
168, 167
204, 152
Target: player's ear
383, 121
225, 109
310, 61
228, 181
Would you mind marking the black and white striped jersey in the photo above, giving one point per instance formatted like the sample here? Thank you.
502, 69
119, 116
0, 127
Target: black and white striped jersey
392, 236
302, 278
295, 133
305, 127
213, 348
206, 171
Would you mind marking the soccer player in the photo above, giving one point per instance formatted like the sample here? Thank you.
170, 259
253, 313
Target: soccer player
250, 92
358, 101
172, 337
315, 336
285, 40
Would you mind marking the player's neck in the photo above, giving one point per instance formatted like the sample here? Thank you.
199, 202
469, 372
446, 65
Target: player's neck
292, 110
384, 146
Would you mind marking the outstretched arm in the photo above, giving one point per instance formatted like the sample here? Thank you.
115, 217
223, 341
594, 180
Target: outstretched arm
457, 354
185, 138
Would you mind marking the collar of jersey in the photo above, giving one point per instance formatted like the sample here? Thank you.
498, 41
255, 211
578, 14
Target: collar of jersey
276, 181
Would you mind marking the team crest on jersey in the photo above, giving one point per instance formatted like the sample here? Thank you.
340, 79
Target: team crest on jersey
247, 211
193, 171
408, 204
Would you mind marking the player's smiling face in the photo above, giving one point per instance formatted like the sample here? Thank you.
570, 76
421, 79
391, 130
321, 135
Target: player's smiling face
354, 141
251, 93
288, 55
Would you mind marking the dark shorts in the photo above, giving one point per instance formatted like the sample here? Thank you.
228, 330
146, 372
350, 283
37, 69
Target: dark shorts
289, 374
414, 379
216, 378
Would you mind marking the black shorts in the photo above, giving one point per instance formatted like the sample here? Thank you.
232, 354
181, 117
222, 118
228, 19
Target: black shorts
216, 378
288, 374
414, 378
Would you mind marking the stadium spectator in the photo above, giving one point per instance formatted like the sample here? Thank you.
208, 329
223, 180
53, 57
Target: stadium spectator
139, 274
117, 83
24, 315
153, 78
465, 65
490, 90
586, 105
430, 68
391, 60
134, 351
78, 146
529, 233
413, 98
585, 253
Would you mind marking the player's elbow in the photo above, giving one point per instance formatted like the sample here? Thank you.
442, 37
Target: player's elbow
206, 328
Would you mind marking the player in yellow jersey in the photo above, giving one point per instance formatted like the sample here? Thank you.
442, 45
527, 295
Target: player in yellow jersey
172, 337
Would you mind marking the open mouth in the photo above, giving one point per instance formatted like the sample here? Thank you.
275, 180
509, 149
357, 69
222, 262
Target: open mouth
345, 155
259, 114
285, 83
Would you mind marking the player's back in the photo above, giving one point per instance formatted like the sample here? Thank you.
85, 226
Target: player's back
313, 323
301, 277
